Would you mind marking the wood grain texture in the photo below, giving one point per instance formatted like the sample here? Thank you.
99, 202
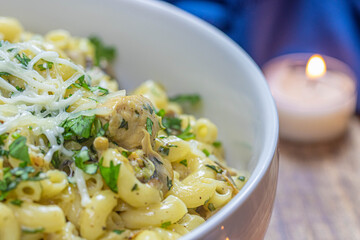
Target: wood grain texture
318, 195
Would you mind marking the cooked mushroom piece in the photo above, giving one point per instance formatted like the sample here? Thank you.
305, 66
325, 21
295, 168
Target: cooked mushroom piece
129, 118
163, 174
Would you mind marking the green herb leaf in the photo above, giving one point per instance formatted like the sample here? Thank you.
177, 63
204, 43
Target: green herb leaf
79, 127
119, 231
81, 83
11, 178
102, 52
46, 65
215, 168
161, 113
149, 125
172, 125
165, 224
32, 230
125, 153
4, 74
55, 160
20, 89
206, 152
3, 137
168, 182
135, 187
241, 178
81, 157
96, 89
17, 202
148, 107
4, 152
186, 98
217, 144
19, 150
15, 135
186, 134
24, 60
164, 150
99, 89
110, 175
184, 162
211, 207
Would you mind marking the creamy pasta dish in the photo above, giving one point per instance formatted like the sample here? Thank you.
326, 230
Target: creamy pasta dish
80, 159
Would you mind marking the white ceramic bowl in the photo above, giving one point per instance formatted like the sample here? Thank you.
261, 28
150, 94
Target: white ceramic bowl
158, 41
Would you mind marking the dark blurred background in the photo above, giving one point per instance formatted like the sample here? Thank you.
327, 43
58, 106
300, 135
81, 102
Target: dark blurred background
269, 28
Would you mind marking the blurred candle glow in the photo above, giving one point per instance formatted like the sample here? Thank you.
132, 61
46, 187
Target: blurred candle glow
315, 96
315, 67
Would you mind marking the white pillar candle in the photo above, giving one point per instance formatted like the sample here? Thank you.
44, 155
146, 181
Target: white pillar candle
314, 100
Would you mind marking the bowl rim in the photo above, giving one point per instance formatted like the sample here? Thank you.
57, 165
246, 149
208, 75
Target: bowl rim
272, 129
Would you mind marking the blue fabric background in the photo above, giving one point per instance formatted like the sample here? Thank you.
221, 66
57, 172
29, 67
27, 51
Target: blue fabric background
269, 28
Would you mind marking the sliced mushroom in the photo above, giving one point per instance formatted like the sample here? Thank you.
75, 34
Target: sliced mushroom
163, 174
128, 118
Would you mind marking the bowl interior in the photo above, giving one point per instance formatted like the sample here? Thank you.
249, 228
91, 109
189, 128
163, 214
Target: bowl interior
156, 41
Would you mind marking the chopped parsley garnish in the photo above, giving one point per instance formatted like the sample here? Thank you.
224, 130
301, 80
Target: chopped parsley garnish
12, 177
217, 144
165, 224
99, 89
125, 153
168, 182
4, 74
215, 168
148, 107
119, 231
83, 127
16, 202
15, 135
19, 150
79, 127
211, 207
164, 150
46, 65
161, 113
24, 60
186, 134
186, 98
124, 124
110, 175
55, 160
241, 178
149, 125
206, 152
3, 137
98, 130
93, 99
32, 230
172, 125
83, 161
102, 52
81, 83
3, 152
20, 89
135, 187
184, 162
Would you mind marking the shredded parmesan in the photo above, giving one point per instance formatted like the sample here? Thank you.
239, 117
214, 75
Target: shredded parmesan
42, 99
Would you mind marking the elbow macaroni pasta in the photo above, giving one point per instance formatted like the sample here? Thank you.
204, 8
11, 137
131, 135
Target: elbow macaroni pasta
66, 170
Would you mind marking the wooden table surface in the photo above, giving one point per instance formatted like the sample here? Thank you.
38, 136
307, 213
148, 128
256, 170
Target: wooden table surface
318, 194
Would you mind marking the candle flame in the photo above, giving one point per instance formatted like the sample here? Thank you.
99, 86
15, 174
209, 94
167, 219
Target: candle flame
315, 67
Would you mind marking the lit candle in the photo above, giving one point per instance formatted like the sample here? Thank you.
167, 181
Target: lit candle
315, 96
